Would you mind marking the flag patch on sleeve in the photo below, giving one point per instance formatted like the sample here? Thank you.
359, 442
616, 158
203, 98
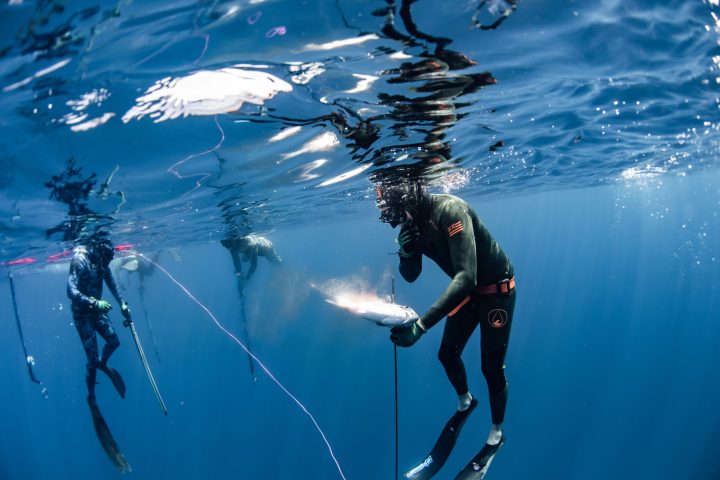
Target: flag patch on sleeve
455, 228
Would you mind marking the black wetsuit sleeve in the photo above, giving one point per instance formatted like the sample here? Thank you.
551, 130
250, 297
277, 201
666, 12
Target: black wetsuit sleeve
273, 256
410, 267
77, 266
237, 263
253, 262
457, 227
267, 250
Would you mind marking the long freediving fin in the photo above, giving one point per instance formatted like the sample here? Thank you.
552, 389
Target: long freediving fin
246, 334
106, 439
443, 446
115, 378
478, 466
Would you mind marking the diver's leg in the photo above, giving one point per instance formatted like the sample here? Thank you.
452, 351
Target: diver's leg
107, 332
83, 324
105, 329
496, 314
456, 334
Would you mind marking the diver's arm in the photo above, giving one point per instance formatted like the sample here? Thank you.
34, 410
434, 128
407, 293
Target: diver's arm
410, 267
112, 285
409, 252
73, 288
253, 262
272, 256
458, 228
237, 263
267, 250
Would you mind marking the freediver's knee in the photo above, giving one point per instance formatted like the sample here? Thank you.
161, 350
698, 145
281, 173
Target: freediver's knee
448, 355
113, 342
494, 374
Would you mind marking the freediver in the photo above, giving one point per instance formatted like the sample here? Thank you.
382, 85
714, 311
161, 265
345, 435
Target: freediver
88, 269
447, 230
247, 249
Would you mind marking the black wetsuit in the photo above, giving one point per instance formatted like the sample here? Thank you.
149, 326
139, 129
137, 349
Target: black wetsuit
455, 238
84, 288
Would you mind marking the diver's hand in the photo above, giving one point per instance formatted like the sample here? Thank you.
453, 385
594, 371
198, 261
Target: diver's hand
406, 336
408, 239
103, 306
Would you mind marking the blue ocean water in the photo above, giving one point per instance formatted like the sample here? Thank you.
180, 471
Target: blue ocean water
585, 134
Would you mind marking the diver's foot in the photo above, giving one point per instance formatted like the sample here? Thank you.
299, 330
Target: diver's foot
465, 412
464, 401
495, 436
115, 378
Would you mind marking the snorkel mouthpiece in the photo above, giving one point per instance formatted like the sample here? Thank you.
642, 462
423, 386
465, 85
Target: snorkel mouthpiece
392, 216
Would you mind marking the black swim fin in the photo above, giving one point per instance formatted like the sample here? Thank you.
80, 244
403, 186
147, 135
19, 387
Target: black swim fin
443, 446
478, 466
116, 379
106, 439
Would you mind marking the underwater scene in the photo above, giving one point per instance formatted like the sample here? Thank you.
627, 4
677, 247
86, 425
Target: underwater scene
377, 239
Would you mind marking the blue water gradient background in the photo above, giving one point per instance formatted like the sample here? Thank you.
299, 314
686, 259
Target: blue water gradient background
604, 195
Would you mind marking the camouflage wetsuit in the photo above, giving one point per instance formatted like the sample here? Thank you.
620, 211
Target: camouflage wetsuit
84, 288
456, 239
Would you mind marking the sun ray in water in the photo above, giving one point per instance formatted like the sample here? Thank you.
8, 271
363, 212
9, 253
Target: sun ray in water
259, 362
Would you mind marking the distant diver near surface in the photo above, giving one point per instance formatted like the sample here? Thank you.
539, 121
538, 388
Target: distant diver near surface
88, 270
482, 291
248, 248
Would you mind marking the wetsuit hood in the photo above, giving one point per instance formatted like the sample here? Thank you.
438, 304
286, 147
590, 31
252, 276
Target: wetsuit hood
396, 202
101, 250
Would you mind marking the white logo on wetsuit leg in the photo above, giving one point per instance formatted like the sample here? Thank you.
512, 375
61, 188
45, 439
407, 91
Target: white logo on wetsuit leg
497, 318
426, 463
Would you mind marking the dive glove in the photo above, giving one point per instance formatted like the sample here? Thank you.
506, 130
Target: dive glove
408, 240
406, 336
103, 306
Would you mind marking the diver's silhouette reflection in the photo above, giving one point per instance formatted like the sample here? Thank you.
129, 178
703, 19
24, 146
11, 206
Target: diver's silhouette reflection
78, 192
422, 116
420, 98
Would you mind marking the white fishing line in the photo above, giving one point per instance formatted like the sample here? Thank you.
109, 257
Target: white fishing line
259, 362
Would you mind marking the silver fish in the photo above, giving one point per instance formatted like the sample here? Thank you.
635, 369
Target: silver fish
375, 309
